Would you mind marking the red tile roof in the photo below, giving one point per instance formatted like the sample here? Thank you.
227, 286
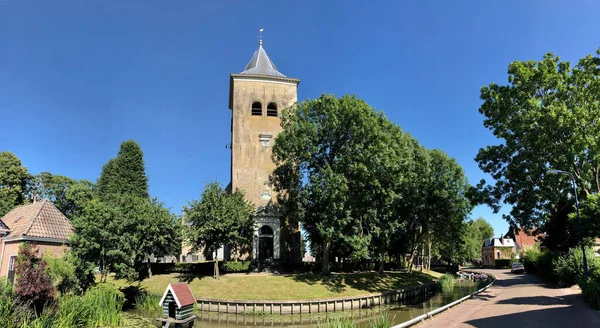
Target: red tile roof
40, 219
182, 293
523, 239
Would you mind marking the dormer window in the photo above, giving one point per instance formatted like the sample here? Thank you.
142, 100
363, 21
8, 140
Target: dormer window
272, 109
256, 108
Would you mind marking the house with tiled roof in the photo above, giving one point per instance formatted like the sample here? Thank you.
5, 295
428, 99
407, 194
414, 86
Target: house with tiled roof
496, 248
40, 224
523, 239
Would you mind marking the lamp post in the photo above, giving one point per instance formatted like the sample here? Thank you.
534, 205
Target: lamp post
585, 265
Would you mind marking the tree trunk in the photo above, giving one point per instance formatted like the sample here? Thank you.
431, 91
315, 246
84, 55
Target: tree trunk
149, 269
216, 275
325, 262
429, 253
422, 255
381, 263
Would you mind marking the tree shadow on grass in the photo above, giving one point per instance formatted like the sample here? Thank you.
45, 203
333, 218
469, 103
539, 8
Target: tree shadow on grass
369, 282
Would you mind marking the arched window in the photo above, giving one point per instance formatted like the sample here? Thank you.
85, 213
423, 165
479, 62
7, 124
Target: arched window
257, 108
272, 109
266, 230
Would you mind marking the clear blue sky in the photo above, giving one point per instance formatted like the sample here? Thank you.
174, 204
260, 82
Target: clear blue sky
79, 77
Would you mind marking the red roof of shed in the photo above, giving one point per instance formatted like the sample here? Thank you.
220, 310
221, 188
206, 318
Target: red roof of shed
181, 292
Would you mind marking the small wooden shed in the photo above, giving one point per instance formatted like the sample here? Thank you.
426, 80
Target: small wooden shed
178, 305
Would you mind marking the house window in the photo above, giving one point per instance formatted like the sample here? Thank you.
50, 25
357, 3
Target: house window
11, 263
272, 109
498, 254
256, 108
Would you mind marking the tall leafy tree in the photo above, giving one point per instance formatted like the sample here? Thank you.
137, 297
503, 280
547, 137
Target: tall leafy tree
324, 154
477, 231
125, 174
51, 187
447, 205
13, 182
218, 218
547, 116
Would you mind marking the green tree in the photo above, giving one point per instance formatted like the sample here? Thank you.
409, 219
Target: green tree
13, 182
145, 228
546, 117
125, 174
219, 218
477, 231
325, 157
447, 205
51, 187
96, 241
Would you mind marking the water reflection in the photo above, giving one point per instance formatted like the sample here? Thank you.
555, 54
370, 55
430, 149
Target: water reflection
397, 313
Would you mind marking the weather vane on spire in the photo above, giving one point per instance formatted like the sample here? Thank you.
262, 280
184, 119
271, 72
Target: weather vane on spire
260, 36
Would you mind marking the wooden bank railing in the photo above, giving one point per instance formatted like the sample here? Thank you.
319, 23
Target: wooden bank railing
313, 306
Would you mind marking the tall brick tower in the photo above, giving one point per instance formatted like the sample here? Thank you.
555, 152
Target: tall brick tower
257, 96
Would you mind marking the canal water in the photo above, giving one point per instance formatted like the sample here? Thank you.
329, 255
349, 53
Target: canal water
396, 313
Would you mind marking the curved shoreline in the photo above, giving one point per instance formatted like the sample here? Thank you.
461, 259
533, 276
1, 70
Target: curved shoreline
430, 314
312, 306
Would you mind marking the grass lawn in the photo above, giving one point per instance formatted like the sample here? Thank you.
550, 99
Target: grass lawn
284, 287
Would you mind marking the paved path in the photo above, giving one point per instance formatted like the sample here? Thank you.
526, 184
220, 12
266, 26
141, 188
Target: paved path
519, 300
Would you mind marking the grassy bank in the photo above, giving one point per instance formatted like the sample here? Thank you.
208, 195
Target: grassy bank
294, 287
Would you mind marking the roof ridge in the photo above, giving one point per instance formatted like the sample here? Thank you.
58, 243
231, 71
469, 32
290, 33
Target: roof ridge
37, 214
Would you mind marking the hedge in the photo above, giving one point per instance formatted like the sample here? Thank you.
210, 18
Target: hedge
503, 263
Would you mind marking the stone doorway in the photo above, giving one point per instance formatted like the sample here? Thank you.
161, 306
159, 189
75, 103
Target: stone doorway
265, 243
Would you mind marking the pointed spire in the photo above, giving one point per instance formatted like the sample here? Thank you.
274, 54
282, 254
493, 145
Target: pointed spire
261, 64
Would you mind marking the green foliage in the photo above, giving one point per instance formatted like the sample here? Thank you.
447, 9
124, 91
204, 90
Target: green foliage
8, 305
148, 301
53, 188
546, 117
446, 283
236, 266
62, 272
591, 292
125, 174
347, 322
502, 263
118, 226
476, 232
219, 218
362, 187
568, 268
13, 181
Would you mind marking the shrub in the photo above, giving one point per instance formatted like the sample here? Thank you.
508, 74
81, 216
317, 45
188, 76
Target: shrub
236, 266
591, 293
61, 272
568, 268
32, 285
502, 263
446, 283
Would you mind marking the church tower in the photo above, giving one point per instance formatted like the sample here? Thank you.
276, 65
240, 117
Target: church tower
257, 96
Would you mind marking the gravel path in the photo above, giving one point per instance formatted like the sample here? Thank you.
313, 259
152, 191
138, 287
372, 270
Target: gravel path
519, 300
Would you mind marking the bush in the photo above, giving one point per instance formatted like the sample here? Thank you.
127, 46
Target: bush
61, 272
503, 263
235, 266
446, 283
568, 268
591, 293
32, 284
